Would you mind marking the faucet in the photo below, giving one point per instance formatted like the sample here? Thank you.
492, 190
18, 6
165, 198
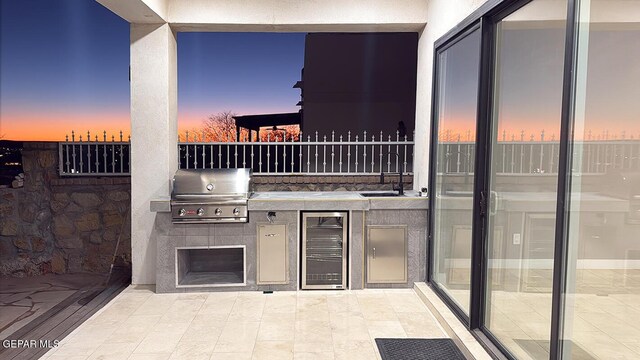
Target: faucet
400, 187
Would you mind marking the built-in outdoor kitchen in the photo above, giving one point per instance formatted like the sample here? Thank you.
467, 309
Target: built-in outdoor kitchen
216, 234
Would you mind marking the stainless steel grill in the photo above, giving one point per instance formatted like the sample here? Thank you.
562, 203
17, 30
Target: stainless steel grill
211, 196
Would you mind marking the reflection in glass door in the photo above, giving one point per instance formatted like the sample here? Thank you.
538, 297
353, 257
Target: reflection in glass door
523, 176
558, 279
457, 88
602, 304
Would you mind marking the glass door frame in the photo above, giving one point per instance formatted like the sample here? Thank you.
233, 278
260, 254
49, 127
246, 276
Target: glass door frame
486, 18
433, 157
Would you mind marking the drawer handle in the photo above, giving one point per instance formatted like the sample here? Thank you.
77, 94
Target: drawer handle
271, 235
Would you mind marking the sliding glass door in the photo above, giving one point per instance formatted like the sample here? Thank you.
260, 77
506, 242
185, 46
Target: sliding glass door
602, 301
523, 176
457, 88
535, 201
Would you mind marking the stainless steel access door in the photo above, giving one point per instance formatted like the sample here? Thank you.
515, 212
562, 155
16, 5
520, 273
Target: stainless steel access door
324, 250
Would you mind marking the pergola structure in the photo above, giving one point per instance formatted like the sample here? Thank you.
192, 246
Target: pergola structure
255, 122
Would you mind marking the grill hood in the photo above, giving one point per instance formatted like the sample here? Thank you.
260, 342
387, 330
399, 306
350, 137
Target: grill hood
210, 195
211, 183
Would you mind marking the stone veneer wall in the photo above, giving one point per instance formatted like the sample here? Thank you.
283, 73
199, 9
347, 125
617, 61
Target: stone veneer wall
62, 225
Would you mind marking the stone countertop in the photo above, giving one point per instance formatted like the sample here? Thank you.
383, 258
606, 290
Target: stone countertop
322, 200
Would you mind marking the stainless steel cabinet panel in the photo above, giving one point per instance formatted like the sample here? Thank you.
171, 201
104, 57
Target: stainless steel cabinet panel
273, 258
386, 254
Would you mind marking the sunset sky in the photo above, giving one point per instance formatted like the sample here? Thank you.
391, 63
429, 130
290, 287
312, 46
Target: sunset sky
64, 66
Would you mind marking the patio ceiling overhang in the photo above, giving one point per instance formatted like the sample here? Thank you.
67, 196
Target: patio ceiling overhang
138, 11
275, 15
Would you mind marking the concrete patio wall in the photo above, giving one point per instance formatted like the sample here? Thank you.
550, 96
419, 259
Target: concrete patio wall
154, 126
62, 225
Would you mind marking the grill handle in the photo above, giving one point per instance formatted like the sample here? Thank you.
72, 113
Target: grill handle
217, 202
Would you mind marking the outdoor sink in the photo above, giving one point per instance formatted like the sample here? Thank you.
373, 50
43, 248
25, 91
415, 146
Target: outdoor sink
379, 194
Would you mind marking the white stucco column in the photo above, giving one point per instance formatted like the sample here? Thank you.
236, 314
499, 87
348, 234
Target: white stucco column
442, 15
154, 148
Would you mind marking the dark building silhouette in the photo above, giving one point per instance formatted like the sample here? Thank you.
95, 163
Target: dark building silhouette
359, 81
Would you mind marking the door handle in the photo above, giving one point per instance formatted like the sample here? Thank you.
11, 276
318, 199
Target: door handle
374, 252
494, 201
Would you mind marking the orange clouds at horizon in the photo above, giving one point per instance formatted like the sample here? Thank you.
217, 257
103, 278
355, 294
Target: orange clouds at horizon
37, 126
34, 126
55, 127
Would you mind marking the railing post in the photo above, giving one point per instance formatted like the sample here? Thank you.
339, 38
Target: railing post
292, 154
236, 152
113, 154
276, 148
252, 157
397, 150
228, 151
104, 151
405, 154
332, 149
308, 154
356, 153
122, 155
364, 152
458, 155
541, 149
373, 151
300, 137
324, 154
389, 155
268, 152
81, 159
349, 152
340, 147
316, 151
381, 153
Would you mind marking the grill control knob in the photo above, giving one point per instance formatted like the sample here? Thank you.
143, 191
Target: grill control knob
218, 212
236, 211
210, 187
200, 212
182, 212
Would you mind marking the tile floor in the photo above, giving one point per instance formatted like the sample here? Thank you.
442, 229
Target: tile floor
139, 324
604, 318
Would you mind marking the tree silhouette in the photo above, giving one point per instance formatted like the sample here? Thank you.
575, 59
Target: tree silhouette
221, 127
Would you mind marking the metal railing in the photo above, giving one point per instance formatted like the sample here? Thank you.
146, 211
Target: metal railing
84, 157
348, 155
541, 157
320, 155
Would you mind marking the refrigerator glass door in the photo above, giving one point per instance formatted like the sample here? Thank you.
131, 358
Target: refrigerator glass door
324, 250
